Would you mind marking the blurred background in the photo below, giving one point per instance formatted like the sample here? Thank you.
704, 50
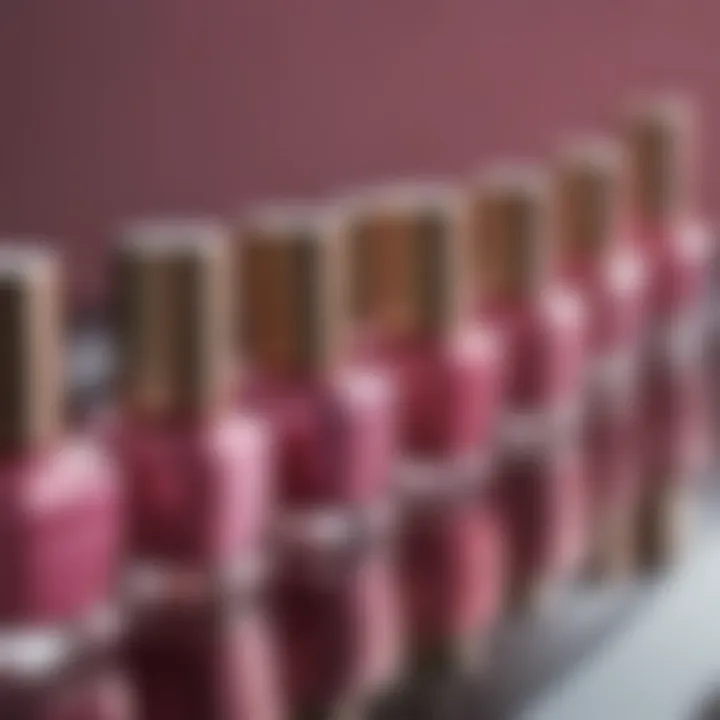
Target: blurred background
112, 109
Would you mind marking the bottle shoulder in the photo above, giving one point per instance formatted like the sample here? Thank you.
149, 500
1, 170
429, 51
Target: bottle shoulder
80, 470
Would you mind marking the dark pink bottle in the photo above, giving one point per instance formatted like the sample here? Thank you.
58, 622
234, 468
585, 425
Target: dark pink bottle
333, 421
204, 656
676, 248
60, 506
542, 328
410, 248
610, 278
198, 473
336, 611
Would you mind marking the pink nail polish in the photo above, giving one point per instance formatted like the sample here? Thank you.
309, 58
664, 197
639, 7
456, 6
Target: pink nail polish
333, 416
60, 505
336, 614
198, 471
609, 276
542, 327
411, 296
676, 247
199, 477
333, 420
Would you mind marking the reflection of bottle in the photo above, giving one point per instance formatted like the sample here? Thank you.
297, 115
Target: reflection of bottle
79, 692
211, 661
409, 244
610, 278
675, 245
59, 501
542, 328
197, 472
333, 420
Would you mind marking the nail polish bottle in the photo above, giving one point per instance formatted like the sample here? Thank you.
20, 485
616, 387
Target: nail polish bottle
333, 419
197, 470
334, 416
60, 506
411, 299
541, 324
609, 276
198, 473
664, 225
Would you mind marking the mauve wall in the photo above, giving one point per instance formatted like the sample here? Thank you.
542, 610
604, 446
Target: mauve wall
111, 108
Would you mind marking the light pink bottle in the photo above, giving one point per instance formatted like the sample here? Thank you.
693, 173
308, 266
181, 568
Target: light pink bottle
198, 474
542, 327
333, 420
676, 247
598, 263
410, 250
60, 506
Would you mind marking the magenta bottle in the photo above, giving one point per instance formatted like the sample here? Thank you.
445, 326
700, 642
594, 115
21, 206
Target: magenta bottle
609, 276
60, 506
676, 247
410, 250
542, 326
198, 474
333, 422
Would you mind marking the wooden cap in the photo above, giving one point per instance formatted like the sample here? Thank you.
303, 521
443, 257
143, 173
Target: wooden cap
408, 247
31, 368
292, 303
587, 191
659, 140
173, 316
509, 231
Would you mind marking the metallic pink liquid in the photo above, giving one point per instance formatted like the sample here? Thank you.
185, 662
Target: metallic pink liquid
540, 486
60, 515
336, 449
335, 437
615, 299
674, 388
450, 551
199, 495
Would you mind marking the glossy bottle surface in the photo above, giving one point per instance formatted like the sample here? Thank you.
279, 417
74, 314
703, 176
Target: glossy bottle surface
335, 439
338, 628
199, 493
673, 389
615, 297
450, 553
540, 480
60, 520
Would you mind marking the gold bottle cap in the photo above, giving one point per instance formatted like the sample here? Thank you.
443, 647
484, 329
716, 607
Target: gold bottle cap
291, 305
172, 292
587, 193
31, 368
660, 139
509, 231
408, 246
